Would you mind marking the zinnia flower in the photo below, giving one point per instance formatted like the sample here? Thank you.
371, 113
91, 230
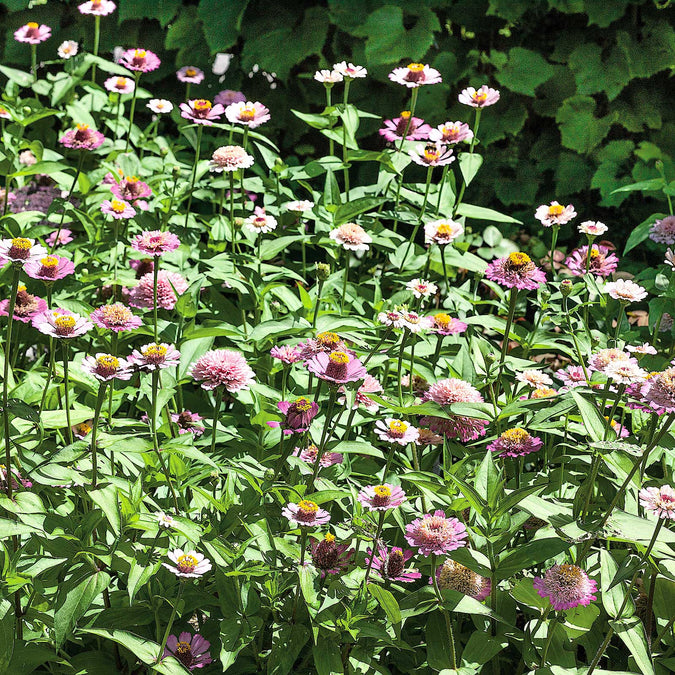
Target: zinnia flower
155, 356
191, 650
451, 132
60, 323
120, 85
106, 367
329, 557
141, 296
601, 359
454, 576
415, 75
329, 77
249, 114
414, 322
17, 481
534, 378
259, 222
67, 49
190, 74
351, 237
421, 288
305, 514
159, 106
33, 33
117, 209
515, 271
228, 97
336, 367
644, 348
394, 129
442, 231
298, 415
299, 206
479, 98
26, 306
349, 70
201, 111
625, 372
141, 60
602, 263
381, 497
389, 565
566, 586
592, 228
230, 158
660, 502
554, 214
188, 564
49, 269
625, 291
165, 520
115, 317
434, 533
323, 342
432, 154
311, 452
130, 188
444, 324
155, 242
186, 422
286, 354
64, 237
223, 368
515, 443
370, 385
20, 251
97, 7
396, 431
660, 391
82, 137
572, 377
663, 231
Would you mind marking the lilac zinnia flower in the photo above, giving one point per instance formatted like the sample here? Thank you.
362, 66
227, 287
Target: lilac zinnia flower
451, 132
223, 368
434, 533
64, 237
26, 306
201, 111
141, 296
228, 97
130, 188
305, 514
381, 497
188, 564
97, 7
572, 376
298, 415
329, 557
432, 154
336, 367
186, 422
82, 137
115, 317
396, 431
286, 354
389, 565
444, 324
191, 650
117, 209
663, 231
515, 443
120, 85
33, 33
106, 367
566, 586
155, 356
602, 263
155, 242
479, 98
394, 129
60, 323
454, 576
20, 251
660, 502
351, 237
249, 114
311, 452
415, 75
554, 214
49, 269
190, 74
515, 271
140, 60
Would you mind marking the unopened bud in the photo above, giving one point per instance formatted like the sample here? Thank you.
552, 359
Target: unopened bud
322, 271
566, 288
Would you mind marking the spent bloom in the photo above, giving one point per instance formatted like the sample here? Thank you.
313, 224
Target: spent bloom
155, 356
155, 242
223, 368
421, 288
515, 271
566, 586
298, 415
592, 228
323, 342
663, 231
444, 324
660, 502
189, 564
97, 7
602, 262
349, 70
395, 129
396, 431
190, 74
168, 285
26, 306
328, 77
336, 368
625, 291
201, 111
191, 650
432, 154
187, 422
117, 209
20, 251
305, 514
120, 85
454, 576
260, 222
415, 75
159, 106
515, 443
60, 323
116, 317
49, 269
554, 214
381, 497
140, 60
435, 533
330, 557
479, 98
106, 367
33, 33
451, 132
82, 137
230, 158
311, 452
351, 237
389, 564
67, 49
249, 114
442, 232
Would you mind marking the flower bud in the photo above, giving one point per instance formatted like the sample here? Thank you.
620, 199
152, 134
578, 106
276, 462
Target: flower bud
322, 271
566, 288
545, 294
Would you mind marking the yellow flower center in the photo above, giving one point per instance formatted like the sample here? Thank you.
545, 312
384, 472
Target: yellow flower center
431, 154
416, 67
307, 506
339, 357
132, 179
303, 404
594, 253
108, 361
140, 53
64, 322
382, 491
480, 97
32, 25
201, 104
555, 209
519, 259
118, 206
83, 428
405, 114
154, 351
328, 339
21, 243
49, 261
398, 427
82, 127
444, 228
247, 113
183, 648
516, 435
190, 72
545, 392
329, 538
187, 562
121, 82
20, 288
569, 574
442, 320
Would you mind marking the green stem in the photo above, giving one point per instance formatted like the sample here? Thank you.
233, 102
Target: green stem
137, 77
216, 410
344, 283
155, 440
554, 241
509, 321
445, 269
619, 321
200, 129
66, 350
70, 192
94, 429
232, 228
400, 367
97, 39
446, 616
444, 175
317, 303
331, 144
549, 637
411, 241
33, 62
324, 437
155, 277
378, 532
169, 625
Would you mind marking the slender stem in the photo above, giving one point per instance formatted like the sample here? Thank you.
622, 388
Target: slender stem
50, 372
94, 429
303, 540
133, 109
113, 351
331, 144
554, 241
66, 354
317, 304
200, 129
155, 277
97, 39
33, 61
446, 616
378, 532
619, 320
155, 440
216, 410
324, 437
344, 283
591, 484
411, 241
70, 192
400, 368
413, 104
171, 620
232, 229
509, 321
445, 269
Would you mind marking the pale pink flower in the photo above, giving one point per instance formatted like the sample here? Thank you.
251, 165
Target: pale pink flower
26, 306
451, 132
106, 367
230, 158
660, 502
336, 367
49, 269
155, 356
516, 271
414, 322
305, 514
141, 296
571, 377
602, 263
434, 533
392, 318
534, 378
165, 520
625, 291
249, 114
67, 49
27, 158
660, 391
117, 209
186, 422
396, 431
20, 251
454, 576
329, 77
286, 354
601, 359
415, 75
351, 237
33, 33
159, 106
130, 188
120, 85
479, 98
625, 372
370, 385
515, 443
190, 74
421, 288
663, 231
444, 324
592, 228
311, 452
115, 317
432, 154
644, 348
442, 232
188, 564
97, 7
201, 111
260, 222
155, 242
64, 237
394, 129
60, 323
566, 586
670, 258
223, 368
82, 138
554, 214
349, 70
381, 497
299, 206
141, 60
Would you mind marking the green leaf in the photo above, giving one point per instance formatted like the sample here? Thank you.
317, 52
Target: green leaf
632, 634
287, 642
530, 554
524, 71
594, 423
327, 657
7, 632
106, 499
612, 596
163, 11
482, 648
580, 129
640, 233
387, 601
347, 212
471, 495
18, 76
469, 164
438, 649
482, 213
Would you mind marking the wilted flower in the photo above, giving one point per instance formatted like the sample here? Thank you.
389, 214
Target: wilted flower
515, 443
394, 129
298, 415
602, 263
159, 105
323, 342
663, 231
351, 237
442, 232
479, 98
554, 214
434, 533
336, 367
428, 437
155, 356
60, 323
421, 288
142, 297
201, 111
566, 586
515, 271
381, 497
67, 49
415, 75
33, 33
20, 251
190, 74
189, 564
660, 502
155, 242
120, 85
186, 422
389, 565
49, 269
349, 70
223, 368
115, 317
311, 452
260, 222
625, 291
117, 209
26, 306
97, 7
534, 378
141, 60
106, 367
81, 430
444, 324
249, 114
230, 158
329, 77
454, 576
592, 228
27, 158
329, 557
305, 514
432, 154
451, 132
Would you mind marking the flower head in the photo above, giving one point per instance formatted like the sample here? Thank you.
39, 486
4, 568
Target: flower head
33, 33
644, 348
191, 650
190, 74
116, 317
118, 209
305, 514
97, 7
155, 356
370, 385
515, 271
49, 268
311, 453
230, 158
660, 502
442, 231
155, 242
592, 228
451, 132
298, 415
554, 214
534, 378
130, 188
323, 342
141, 60
17, 481
165, 520
434, 533
572, 376
625, 291
168, 285
67, 49
351, 237
186, 422
444, 324
330, 557
625, 372
415, 75
421, 288
119, 85
395, 129
228, 97
299, 205
223, 368
479, 98
515, 443
381, 497
82, 137
566, 586
328, 77
20, 251
160, 106
260, 222
249, 114
396, 431
602, 263
106, 367
389, 564
454, 576
601, 359
663, 231
26, 306
201, 111
286, 354
659, 392
59, 238
188, 564
60, 323
432, 154
349, 70
336, 368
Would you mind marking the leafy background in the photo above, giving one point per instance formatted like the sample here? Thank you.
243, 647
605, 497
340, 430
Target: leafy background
585, 84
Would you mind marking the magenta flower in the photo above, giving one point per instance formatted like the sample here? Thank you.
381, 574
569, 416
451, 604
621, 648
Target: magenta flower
329, 557
64, 237
554, 214
97, 7
33, 33
415, 75
479, 98
454, 576
228, 97
249, 114
286, 354
396, 431
26, 306
106, 367
370, 385
188, 564
663, 231
155, 356
120, 85
515, 271
336, 367
155, 242
451, 132
190, 74
432, 154
444, 324
186, 422
223, 368
60, 323
18, 483
602, 262
115, 317
660, 502
82, 137
118, 209
434, 533
305, 514
141, 60
381, 497
141, 296
515, 443
130, 188
566, 586
572, 376
49, 269
191, 650
389, 565
298, 415
394, 129
230, 158
20, 251
201, 111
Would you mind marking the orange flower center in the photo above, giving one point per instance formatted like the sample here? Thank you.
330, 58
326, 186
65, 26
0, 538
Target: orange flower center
190, 72
329, 538
121, 82
247, 113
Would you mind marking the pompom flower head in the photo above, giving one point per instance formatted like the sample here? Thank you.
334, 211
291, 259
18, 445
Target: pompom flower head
663, 231
223, 368
454, 576
625, 291
336, 368
435, 533
82, 137
415, 75
659, 391
329, 556
381, 497
116, 317
515, 271
351, 237
389, 564
482, 97
660, 502
566, 586
155, 242
191, 650
141, 296
305, 514
230, 158
515, 443
188, 564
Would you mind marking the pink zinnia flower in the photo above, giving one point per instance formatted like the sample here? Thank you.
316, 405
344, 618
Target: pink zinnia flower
201, 111
444, 324
286, 354
20, 251
442, 231
554, 214
601, 359
329, 557
155, 242
479, 98
351, 237
660, 391
141, 296
259, 222
515, 443
106, 367
389, 565
454, 576
349, 70
421, 288
625, 291
120, 85
190, 74
82, 137
396, 431
311, 452
644, 348
188, 564
249, 114
191, 650
414, 322
392, 319
415, 75
160, 106
305, 514
223, 368
572, 376
155, 356
33, 33
60, 323
625, 372
115, 317
432, 154
64, 237
26, 306
298, 415
451, 132
370, 385
336, 367
49, 269
394, 129
592, 228
228, 97
230, 158
566, 586
663, 231
186, 422
660, 502
141, 60
118, 209
434, 533
299, 206
27, 158
602, 262
381, 497
515, 271
17, 481
130, 188
97, 7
